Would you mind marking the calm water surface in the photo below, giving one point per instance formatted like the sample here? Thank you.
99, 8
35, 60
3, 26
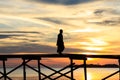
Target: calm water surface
93, 73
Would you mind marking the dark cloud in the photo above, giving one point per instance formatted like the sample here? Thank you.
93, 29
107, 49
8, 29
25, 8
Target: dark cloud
106, 11
21, 35
110, 22
29, 48
103, 11
19, 32
4, 36
53, 20
8, 36
32, 48
60, 20
37, 48
99, 11
63, 2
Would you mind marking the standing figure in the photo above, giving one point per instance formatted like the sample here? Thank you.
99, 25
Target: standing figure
60, 42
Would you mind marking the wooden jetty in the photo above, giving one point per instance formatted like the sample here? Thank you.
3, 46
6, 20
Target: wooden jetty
38, 57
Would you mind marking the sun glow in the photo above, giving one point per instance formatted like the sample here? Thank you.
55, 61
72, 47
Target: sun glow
94, 45
90, 59
88, 53
94, 48
86, 30
98, 42
89, 76
94, 42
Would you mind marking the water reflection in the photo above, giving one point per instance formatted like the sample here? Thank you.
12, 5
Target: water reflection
89, 76
92, 73
96, 73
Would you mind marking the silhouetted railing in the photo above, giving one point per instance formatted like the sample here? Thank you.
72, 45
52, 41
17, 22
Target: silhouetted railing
27, 58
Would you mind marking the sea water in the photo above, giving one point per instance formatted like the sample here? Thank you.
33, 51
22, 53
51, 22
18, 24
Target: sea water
92, 73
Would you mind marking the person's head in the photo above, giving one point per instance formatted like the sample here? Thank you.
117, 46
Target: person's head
61, 31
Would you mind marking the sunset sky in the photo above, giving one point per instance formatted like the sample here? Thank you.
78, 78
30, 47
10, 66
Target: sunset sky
31, 26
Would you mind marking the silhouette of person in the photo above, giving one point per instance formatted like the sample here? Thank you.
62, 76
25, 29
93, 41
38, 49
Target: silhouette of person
60, 42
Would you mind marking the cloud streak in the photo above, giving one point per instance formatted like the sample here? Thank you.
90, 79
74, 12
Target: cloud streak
110, 22
8, 36
32, 48
64, 2
20, 32
35, 48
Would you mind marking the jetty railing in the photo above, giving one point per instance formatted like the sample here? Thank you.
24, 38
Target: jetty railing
38, 57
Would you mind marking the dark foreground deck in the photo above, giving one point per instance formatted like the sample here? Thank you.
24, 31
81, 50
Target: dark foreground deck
28, 57
64, 55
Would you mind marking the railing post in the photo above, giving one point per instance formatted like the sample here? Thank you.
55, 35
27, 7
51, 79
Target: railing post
4, 69
39, 69
24, 70
71, 62
119, 68
85, 69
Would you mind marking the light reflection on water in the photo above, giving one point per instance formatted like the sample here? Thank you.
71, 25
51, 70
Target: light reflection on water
97, 73
92, 73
